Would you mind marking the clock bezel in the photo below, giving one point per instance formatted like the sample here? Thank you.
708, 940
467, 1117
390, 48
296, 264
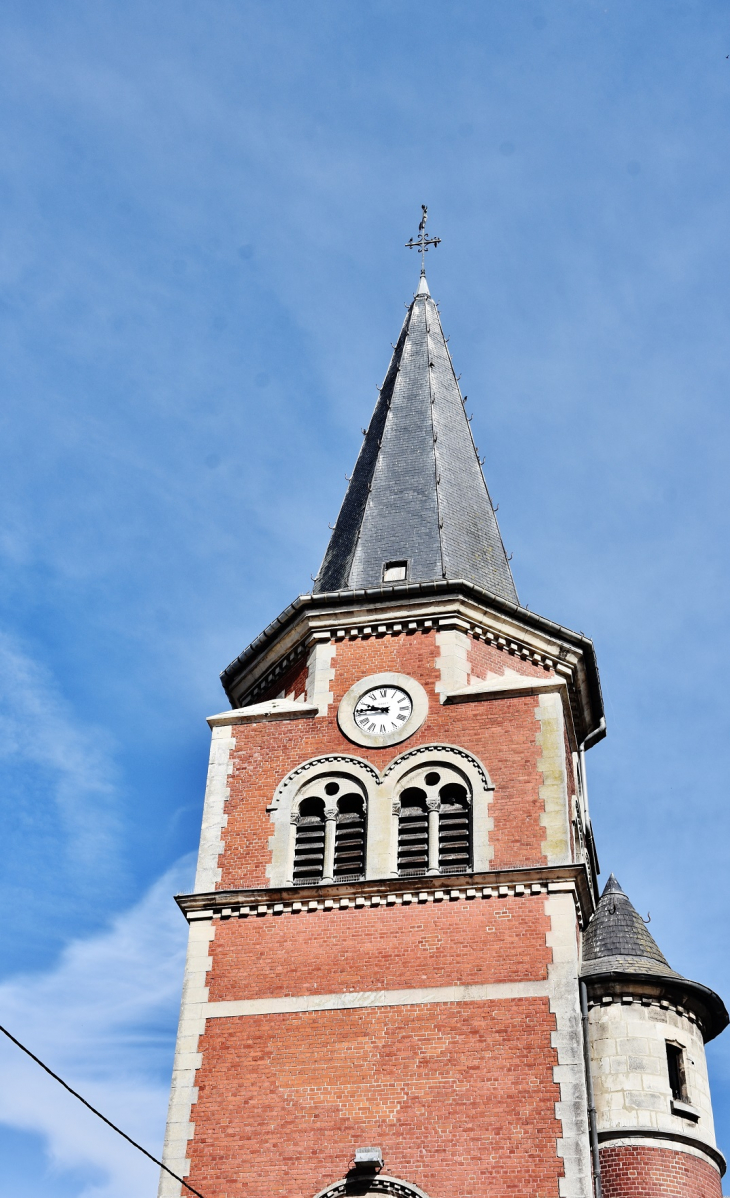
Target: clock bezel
381, 740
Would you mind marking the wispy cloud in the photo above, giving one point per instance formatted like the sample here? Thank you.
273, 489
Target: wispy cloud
39, 733
103, 1019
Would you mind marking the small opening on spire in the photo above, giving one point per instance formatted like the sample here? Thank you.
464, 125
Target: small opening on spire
395, 571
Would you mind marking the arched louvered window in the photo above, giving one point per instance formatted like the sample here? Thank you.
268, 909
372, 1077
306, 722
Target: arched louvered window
309, 843
413, 832
350, 838
329, 830
434, 822
454, 829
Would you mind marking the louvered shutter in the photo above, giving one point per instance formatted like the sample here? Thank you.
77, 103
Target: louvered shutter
309, 844
350, 839
454, 829
413, 832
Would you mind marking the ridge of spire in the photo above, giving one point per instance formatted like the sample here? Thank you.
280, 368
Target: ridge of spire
417, 499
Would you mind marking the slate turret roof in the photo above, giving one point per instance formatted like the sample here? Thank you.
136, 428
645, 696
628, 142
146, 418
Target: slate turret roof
621, 956
417, 492
618, 940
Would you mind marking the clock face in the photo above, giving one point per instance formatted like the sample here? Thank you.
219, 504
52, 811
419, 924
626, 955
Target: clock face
383, 710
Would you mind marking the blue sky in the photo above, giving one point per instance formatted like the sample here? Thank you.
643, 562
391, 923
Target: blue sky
203, 207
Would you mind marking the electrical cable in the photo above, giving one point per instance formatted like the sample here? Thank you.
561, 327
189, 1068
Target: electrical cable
94, 1111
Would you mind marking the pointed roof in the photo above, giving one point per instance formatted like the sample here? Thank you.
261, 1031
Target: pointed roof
618, 950
417, 493
618, 939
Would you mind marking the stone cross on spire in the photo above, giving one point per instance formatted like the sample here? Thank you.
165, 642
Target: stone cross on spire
422, 242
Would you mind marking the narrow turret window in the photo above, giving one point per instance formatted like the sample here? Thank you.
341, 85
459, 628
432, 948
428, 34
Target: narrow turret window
309, 844
413, 832
677, 1074
350, 839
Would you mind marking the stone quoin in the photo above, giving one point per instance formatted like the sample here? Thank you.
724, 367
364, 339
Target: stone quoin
401, 976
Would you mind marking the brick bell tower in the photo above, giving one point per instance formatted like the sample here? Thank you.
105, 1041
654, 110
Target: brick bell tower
395, 915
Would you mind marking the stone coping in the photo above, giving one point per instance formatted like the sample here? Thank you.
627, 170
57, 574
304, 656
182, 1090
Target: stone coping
273, 709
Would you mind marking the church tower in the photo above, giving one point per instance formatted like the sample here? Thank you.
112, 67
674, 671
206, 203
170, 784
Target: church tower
400, 979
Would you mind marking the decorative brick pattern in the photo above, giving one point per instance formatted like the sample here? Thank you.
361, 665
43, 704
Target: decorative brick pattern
489, 658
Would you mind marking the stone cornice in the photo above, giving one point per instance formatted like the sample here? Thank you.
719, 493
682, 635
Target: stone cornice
407, 608
672, 990
385, 892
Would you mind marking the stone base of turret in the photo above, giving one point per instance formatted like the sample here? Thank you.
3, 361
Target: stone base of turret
640, 1171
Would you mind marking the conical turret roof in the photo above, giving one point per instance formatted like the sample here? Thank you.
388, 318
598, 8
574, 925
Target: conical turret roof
620, 955
417, 494
617, 939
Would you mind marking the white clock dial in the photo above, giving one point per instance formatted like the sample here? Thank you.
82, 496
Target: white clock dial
383, 710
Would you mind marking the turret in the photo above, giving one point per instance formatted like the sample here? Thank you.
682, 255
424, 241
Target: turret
648, 1030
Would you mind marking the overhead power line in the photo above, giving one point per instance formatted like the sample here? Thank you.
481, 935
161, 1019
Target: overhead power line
99, 1115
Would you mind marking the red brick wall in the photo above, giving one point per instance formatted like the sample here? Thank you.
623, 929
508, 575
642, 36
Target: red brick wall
460, 1098
470, 942
501, 733
643, 1172
487, 659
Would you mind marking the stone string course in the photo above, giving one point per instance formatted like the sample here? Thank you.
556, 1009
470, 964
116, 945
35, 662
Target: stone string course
356, 901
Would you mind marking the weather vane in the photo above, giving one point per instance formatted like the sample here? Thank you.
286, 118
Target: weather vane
422, 242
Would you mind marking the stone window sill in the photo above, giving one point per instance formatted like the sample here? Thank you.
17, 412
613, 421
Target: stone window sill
684, 1110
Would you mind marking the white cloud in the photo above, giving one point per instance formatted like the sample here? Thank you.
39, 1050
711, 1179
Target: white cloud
104, 1020
38, 731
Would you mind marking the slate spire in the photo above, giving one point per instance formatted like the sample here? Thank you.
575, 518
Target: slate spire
417, 494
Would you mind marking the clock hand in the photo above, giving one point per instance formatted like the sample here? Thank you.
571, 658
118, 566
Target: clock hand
383, 709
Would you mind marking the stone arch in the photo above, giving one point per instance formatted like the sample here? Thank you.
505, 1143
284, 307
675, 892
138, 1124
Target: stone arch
457, 763
357, 1185
334, 761
454, 753
348, 771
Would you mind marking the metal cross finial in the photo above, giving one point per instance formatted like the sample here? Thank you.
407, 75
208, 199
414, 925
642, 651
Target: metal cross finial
422, 242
